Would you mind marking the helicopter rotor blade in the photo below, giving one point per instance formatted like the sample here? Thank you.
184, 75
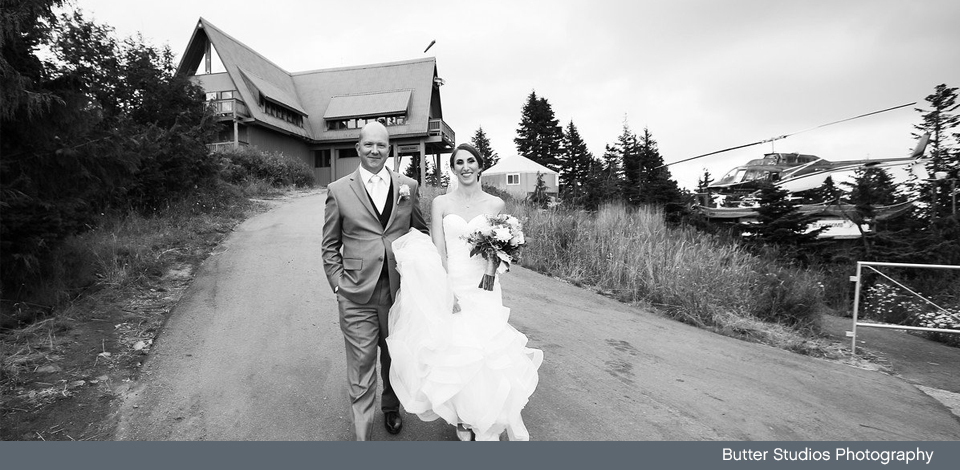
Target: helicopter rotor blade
786, 135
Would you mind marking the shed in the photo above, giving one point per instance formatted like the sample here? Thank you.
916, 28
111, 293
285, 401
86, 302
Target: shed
517, 175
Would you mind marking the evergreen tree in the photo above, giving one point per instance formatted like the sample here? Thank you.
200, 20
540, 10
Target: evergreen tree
598, 187
436, 176
779, 222
628, 153
871, 189
413, 169
108, 124
703, 189
26, 26
482, 143
539, 135
655, 184
939, 122
611, 172
828, 192
576, 160
539, 197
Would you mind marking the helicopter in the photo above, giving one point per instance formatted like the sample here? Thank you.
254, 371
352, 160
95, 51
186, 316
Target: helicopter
796, 173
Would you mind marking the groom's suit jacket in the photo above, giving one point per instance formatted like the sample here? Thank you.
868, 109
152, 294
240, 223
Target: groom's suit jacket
356, 243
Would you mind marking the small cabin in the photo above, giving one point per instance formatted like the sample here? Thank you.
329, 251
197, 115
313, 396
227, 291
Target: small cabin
517, 175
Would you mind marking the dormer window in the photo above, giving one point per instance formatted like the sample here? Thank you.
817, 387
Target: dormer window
357, 123
355, 111
281, 112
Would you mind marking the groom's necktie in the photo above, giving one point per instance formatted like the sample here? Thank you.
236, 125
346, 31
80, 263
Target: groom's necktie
377, 190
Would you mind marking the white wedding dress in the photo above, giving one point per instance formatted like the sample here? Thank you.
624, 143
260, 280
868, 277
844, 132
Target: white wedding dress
470, 367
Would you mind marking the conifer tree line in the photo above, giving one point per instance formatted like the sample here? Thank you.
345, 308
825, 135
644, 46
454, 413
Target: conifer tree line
630, 170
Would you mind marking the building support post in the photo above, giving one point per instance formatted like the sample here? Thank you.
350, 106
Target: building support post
423, 164
396, 157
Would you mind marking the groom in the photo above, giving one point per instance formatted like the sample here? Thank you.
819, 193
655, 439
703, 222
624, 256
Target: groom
365, 212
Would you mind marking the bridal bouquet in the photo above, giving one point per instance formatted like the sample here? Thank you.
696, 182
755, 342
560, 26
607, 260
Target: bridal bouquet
498, 240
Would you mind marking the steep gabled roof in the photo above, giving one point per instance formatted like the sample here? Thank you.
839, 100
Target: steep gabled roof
518, 164
272, 92
258, 76
382, 84
368, 104
359, 91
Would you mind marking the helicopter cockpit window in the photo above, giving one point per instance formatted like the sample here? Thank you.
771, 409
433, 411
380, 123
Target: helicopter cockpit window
754, 175
733, 176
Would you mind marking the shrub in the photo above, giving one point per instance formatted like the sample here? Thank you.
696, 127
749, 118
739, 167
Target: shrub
125, 247
241, 165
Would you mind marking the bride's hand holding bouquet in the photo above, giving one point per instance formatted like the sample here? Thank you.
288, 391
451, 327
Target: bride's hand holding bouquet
498, 240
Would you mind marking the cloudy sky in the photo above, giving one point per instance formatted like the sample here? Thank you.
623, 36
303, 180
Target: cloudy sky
701, 75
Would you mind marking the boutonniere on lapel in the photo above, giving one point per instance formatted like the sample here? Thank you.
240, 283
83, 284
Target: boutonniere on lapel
404, 192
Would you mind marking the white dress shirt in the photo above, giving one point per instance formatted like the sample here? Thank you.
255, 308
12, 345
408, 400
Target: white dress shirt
377, 186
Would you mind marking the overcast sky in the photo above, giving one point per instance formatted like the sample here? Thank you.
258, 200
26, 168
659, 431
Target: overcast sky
701, 75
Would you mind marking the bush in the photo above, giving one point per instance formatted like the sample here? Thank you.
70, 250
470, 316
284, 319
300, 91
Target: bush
126, 247
241, 165
507, 197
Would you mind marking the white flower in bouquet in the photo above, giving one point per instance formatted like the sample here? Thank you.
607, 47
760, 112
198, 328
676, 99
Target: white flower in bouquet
497, 240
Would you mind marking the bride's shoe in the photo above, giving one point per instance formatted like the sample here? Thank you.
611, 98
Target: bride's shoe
464, 433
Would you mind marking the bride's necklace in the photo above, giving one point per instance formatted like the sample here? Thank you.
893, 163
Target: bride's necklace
469, 202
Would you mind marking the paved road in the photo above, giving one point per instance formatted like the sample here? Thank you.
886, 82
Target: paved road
253, 352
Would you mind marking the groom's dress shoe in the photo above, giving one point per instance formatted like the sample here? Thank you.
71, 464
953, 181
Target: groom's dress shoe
392, 421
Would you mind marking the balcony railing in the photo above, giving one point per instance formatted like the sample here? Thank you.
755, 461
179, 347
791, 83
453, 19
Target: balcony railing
437, 127
232, 108
222, 146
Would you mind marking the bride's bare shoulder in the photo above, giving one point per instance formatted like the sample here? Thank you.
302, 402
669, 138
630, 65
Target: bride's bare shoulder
496, 204
441, 200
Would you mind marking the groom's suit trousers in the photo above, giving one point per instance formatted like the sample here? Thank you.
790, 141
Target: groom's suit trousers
364, 327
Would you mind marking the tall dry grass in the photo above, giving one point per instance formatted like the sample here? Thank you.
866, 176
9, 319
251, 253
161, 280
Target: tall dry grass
129, 249
698, 278
702, 279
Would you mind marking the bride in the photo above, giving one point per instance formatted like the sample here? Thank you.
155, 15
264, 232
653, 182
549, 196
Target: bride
454, 354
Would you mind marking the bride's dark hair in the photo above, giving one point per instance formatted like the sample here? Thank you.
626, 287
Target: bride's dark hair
469, 148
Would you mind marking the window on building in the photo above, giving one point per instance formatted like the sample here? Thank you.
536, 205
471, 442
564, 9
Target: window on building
357, 123
282, 113
513, 178
321, 158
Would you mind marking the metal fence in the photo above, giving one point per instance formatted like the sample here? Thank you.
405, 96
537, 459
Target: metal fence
856, 299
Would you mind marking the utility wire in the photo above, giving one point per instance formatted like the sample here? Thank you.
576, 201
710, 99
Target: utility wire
786, 135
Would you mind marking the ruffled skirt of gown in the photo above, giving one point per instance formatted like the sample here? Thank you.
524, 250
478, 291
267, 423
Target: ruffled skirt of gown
471, 367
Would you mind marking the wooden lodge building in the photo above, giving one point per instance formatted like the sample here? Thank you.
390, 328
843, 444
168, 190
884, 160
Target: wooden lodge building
317, 115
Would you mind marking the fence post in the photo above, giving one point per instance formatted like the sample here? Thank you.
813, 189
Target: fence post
856, 307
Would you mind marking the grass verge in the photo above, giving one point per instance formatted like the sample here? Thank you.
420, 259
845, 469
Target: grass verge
113, 288
632, 255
